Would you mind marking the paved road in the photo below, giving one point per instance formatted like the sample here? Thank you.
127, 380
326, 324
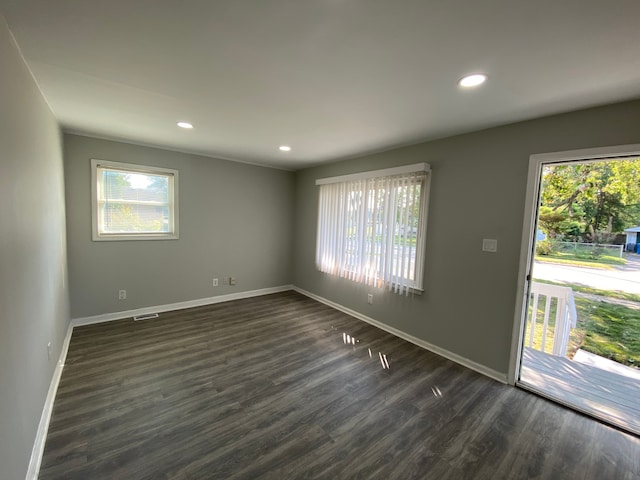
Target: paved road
623, 278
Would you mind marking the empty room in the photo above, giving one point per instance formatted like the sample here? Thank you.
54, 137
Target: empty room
292, 239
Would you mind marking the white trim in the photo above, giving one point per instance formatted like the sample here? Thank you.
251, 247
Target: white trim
107, 317
454, 357
385, 172
132, 167
536, 163
174, 196
589, 154
43, 427
524, 269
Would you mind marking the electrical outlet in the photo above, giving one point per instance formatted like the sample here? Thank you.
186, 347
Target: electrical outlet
370, 299
122, 294
232, 280
215, 282
49, 350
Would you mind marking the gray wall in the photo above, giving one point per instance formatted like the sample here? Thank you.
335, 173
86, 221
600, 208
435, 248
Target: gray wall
478, 190
34, 305
235, 220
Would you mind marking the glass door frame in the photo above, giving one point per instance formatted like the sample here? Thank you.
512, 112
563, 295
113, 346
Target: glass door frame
530, 217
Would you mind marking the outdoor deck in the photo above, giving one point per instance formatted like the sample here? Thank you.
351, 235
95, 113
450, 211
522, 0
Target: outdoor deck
611, 397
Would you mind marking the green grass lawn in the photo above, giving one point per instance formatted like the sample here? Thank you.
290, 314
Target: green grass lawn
605, 329
567, 258
611, 331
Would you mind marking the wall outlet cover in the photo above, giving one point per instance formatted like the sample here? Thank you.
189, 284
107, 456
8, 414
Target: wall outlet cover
489, 245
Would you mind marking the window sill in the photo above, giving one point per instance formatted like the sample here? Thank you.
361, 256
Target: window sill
144, 236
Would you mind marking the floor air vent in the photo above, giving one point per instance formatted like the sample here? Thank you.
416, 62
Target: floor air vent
146, 317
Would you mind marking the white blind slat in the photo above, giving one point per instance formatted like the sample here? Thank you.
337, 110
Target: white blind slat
371, 230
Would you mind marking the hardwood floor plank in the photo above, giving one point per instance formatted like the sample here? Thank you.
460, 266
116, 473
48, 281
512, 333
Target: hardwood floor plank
282, 386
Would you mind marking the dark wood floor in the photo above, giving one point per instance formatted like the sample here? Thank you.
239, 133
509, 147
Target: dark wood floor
284, 387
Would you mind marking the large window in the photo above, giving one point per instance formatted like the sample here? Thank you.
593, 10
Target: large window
372, 227
133, 202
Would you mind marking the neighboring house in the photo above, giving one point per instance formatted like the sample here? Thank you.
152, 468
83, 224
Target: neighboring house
633, 238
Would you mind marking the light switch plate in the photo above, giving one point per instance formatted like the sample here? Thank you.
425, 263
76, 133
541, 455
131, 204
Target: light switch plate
489, 245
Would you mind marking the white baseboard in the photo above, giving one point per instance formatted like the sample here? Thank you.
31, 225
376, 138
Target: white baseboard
45, 418
454, 357
107, 317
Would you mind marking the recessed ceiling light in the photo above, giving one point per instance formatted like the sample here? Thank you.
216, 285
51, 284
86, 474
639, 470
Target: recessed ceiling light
285, 148
472, 80
184, 125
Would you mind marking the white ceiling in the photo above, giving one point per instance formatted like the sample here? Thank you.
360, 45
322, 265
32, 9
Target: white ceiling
330, 78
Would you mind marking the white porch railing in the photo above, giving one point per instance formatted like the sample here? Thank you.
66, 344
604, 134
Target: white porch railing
566, 316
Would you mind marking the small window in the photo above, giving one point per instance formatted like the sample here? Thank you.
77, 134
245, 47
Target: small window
372, 227
133, 202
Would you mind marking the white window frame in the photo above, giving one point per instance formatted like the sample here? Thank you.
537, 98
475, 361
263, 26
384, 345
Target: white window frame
381, 279
98, 235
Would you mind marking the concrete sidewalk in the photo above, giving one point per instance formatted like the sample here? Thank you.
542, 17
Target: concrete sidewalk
602, 363
624, 278
615, 301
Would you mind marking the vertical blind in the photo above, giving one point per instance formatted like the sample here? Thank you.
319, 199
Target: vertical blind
371, 229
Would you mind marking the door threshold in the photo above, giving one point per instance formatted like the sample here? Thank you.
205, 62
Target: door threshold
593, 413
